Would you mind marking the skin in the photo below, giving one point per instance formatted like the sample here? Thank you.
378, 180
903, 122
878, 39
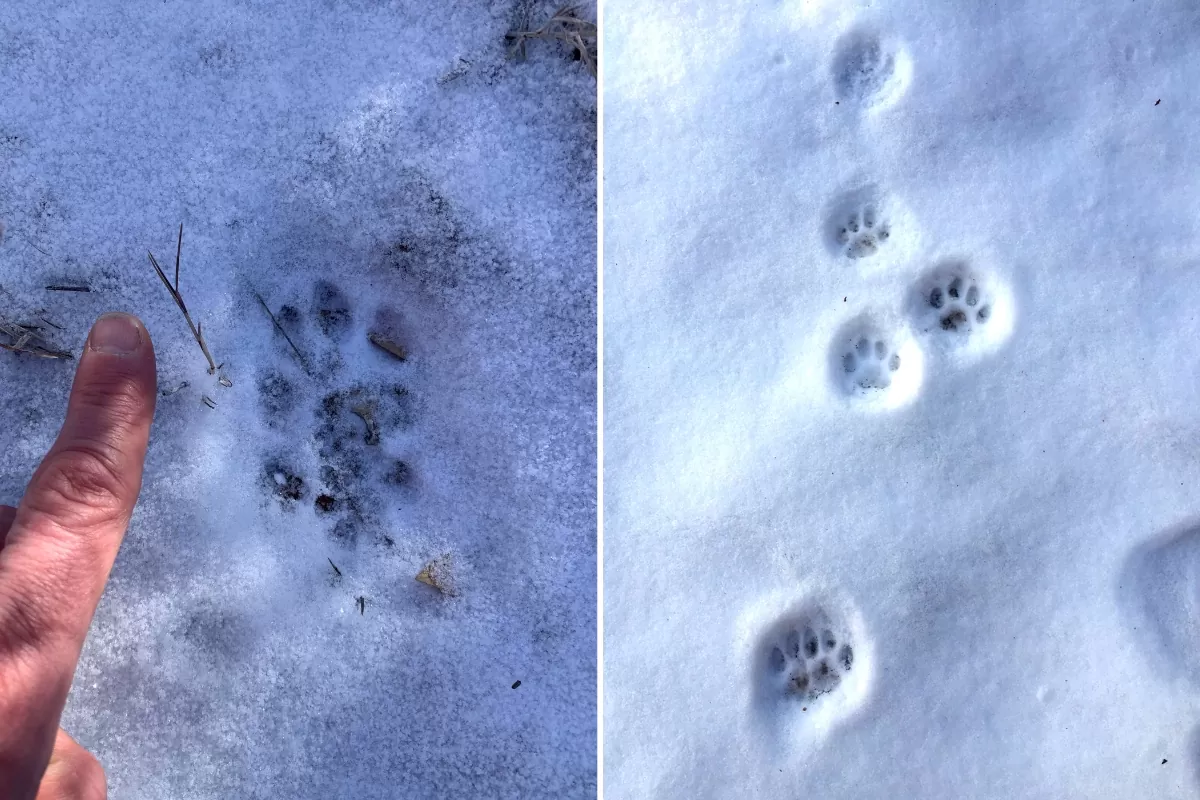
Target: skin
57, 547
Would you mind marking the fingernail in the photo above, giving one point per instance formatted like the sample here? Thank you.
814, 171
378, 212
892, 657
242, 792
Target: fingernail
116, 334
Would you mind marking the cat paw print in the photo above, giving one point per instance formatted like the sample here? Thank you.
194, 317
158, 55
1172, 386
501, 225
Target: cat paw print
863, 232
809, 662
812, 669
962, 307
870, 70
869, 226
869, 365
876, 368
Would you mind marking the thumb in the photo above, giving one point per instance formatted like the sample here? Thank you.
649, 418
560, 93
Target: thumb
69, 525
72, 774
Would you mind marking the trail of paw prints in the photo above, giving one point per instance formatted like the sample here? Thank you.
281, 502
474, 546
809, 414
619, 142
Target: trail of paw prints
963, 309
870, 70
812, 669
875, 367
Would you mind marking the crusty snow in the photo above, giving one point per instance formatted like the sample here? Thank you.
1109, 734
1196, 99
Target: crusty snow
363, 167
901, 311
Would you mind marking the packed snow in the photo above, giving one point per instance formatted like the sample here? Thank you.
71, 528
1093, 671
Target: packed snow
902, 399
363, 562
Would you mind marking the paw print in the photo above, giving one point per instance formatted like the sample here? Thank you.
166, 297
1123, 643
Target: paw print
876, 364
968, 310
869, 365
810, 660
870, 69
863, 233
960, 304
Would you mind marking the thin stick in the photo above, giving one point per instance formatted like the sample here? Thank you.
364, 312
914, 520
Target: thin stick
197, 332
335, 569
29, 242
68, 288
279, 328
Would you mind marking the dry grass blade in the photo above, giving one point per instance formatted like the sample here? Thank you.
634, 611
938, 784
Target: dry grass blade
197, 332
565, 26
279, 328
27, 339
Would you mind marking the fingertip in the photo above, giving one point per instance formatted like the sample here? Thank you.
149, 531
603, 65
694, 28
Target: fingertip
118, 334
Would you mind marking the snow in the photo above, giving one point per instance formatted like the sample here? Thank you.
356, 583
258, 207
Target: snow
1004, 528
364, 167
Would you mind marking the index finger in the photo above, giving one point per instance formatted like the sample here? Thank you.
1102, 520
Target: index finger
69, 525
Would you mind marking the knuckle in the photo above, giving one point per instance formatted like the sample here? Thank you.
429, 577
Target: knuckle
22, 624
81, 485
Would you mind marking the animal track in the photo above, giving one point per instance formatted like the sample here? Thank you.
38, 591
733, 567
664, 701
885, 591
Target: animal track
869, 69
863, 232
958, 304
812, 667
332, 309
355, 429
961, 306
870, 364
282, 482
809, 662
871, 367
869, 226
1160, 587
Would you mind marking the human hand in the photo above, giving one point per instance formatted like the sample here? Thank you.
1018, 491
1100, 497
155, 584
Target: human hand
56, 550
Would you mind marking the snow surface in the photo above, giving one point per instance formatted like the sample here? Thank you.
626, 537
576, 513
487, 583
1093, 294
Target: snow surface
376, 166
1006, 528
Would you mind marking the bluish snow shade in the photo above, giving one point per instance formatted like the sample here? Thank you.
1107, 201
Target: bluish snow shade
901, 304
364, 167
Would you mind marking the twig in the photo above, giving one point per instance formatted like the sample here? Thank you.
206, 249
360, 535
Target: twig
335, 569
565, 26
68, 288
208, 401
279, 328
197, 331
29, 242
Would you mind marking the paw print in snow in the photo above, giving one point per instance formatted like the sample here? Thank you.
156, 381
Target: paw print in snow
870, 367
870, 70
812, 668
864, 232
958, 304
810, 662
965, 308
869, 226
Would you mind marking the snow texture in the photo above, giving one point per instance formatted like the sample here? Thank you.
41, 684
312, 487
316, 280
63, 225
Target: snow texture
1005, 527
365, 167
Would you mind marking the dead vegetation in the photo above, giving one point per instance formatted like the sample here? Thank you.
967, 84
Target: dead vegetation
279, 328
566, 26
28, 339
439, 573
387, 345
173, 289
